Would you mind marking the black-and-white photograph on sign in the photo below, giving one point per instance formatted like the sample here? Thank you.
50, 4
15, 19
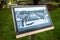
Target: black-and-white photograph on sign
29, 19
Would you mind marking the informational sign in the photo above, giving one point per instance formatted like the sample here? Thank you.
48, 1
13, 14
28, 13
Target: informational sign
29, 20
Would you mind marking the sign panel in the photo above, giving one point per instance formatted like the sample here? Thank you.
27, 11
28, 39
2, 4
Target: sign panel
30, 20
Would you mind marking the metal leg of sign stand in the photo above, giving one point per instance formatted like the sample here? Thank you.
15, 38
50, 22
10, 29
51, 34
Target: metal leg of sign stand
32, 37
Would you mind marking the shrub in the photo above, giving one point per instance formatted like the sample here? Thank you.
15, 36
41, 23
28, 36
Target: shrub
59, 5
1, 6
55, 5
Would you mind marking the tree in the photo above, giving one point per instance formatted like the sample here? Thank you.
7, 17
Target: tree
57, 0
1, 6
2, 3
36, 1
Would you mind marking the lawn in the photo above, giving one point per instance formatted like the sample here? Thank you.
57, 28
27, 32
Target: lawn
7, 28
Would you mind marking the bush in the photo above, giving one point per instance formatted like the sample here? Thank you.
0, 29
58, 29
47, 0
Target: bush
55, 5
1, 6
50, 7
59, 5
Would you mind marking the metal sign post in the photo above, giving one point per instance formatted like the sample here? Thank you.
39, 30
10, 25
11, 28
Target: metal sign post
32, 37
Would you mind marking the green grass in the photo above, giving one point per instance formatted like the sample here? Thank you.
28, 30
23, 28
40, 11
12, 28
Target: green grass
7, 28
